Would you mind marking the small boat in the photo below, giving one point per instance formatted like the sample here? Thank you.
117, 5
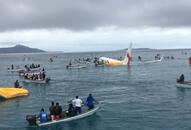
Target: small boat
7, 93
15, 70
78, 66
39, 81
152, 61
33, 120
185, 84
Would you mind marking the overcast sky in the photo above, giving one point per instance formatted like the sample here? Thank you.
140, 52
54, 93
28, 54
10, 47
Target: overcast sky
95, 25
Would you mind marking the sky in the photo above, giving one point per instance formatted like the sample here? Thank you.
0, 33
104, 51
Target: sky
95, 25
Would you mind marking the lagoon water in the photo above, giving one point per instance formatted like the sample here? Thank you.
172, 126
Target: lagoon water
138, 97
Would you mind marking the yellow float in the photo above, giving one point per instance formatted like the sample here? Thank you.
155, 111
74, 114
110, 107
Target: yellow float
8, 93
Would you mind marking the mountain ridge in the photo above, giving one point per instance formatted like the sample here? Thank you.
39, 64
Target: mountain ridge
20, 49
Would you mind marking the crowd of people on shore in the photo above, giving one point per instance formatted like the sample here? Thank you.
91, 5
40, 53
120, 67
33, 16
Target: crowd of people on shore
74, 108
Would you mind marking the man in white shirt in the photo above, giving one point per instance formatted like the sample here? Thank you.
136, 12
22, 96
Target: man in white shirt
77, 104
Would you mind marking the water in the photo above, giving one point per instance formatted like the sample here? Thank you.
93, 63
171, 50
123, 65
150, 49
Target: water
136, 98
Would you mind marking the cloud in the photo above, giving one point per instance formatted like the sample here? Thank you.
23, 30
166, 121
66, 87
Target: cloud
100, 39
80, 15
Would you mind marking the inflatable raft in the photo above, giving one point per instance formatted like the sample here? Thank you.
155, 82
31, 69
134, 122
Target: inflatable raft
7, 93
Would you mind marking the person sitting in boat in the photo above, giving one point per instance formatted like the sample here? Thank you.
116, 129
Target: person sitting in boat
71, 110
52, 110
70, 63
17, 84
43, 116
90, 101
58, 112
77, 104
12, 67
181, 79
43, 75
139, 58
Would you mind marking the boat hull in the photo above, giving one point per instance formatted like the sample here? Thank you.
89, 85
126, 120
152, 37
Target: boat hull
37, 81
183, 85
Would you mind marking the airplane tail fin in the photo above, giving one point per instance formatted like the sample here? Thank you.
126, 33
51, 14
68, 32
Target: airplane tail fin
128, 55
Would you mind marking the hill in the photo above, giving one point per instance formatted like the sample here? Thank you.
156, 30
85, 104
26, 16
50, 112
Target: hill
20, 49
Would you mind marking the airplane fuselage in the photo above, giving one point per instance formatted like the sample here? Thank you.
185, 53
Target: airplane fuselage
111, 62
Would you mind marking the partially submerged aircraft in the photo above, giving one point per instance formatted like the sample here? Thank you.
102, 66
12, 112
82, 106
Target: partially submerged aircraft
114, 62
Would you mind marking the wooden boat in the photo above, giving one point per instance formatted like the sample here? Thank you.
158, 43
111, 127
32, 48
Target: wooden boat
84, 114
185, 84
7, 93
39, 81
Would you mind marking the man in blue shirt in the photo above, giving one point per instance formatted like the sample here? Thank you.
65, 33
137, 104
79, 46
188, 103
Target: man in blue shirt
43, 116
90, 101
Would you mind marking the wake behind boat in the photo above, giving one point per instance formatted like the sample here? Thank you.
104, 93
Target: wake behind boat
33, 120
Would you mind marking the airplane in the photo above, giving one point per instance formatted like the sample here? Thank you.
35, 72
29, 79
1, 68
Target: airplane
114, 62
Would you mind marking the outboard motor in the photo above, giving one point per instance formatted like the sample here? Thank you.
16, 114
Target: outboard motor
31, 119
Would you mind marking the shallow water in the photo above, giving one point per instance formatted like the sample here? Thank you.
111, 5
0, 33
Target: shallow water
142, 96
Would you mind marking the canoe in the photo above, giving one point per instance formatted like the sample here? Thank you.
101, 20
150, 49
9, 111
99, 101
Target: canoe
67, 119
184, 85
37, 81
7, 93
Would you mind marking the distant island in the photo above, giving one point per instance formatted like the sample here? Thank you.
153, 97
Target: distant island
20, 49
